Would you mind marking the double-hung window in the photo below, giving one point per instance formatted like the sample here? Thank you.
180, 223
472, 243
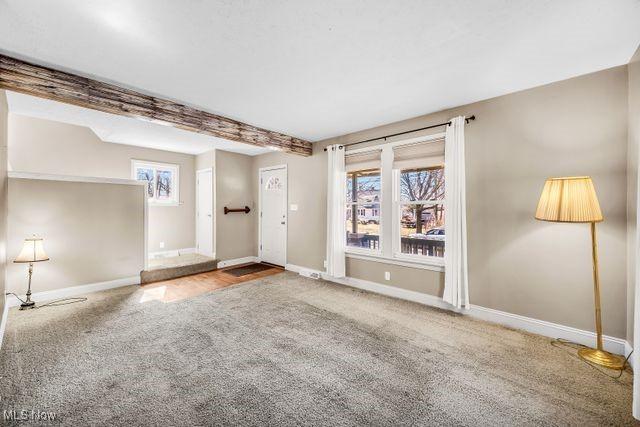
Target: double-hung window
364, 198
162, 181
419, 200
396, 201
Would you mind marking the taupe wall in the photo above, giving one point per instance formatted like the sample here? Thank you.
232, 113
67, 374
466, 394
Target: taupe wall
236, 232
93, 232
45, 146
632, 186
206, 160
4, 113
516, 264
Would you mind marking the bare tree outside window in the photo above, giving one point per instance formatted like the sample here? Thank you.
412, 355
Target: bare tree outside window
146, 174
162, 181
418, 185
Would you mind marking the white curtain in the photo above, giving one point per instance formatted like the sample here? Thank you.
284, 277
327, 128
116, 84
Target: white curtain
456, 284
336, 201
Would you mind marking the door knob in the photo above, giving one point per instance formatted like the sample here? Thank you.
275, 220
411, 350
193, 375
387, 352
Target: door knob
282, 223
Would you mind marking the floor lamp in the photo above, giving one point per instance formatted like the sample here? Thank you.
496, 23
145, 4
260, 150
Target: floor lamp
573, 199
32, 251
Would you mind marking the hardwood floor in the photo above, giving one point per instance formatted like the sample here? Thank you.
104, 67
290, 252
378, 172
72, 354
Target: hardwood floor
190, 286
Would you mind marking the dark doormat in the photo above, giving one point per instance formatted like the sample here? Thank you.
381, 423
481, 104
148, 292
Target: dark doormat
248, 269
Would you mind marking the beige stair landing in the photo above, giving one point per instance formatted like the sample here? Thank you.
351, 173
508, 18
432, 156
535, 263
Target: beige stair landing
176, 266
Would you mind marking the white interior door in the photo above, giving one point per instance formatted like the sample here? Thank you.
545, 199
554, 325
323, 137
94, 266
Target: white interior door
273, 215
204, 212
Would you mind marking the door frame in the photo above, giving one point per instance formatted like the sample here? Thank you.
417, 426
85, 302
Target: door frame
213, 211
286, 210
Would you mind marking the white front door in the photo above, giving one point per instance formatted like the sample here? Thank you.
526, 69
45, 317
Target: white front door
204, 212
273, 215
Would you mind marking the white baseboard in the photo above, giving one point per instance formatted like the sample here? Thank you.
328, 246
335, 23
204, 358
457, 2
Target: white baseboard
237, 261
547, 329
174, 252
295, 268
12, 301
3, 323
394, 292
304, 271
536, 326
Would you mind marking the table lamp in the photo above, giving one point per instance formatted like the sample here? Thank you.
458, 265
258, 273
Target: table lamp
573, 199
32, 251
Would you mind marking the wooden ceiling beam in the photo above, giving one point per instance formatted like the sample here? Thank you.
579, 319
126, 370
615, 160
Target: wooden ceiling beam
31, 79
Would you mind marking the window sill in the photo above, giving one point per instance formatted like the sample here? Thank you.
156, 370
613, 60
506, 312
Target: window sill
430, 264
354, 250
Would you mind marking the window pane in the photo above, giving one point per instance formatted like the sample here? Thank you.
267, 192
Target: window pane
363, 225
363, 186
422, 230
146, 174
164, 184
422, 184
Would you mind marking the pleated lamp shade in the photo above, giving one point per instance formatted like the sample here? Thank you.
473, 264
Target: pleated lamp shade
32, 251
569, 199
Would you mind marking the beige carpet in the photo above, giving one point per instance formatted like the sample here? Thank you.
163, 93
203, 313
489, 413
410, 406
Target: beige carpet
286, 350
168, 268
177, 261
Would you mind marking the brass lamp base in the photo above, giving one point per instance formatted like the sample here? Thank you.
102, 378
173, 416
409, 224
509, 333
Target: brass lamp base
602, 358
27, 305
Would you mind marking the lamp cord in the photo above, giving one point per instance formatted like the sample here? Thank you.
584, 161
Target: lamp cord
62, 301
566, 343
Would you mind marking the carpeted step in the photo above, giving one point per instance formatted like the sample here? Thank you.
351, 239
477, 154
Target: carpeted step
160, 274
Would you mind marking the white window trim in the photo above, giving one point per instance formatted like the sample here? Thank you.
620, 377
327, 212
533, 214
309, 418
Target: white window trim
135, 163
389, 215
363, 251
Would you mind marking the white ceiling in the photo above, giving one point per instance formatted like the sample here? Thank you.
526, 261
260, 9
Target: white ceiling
125, 130
315, 69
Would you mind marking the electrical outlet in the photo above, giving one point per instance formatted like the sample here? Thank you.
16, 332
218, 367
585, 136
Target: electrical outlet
324, 264
294, 207
387, 275
161, 245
